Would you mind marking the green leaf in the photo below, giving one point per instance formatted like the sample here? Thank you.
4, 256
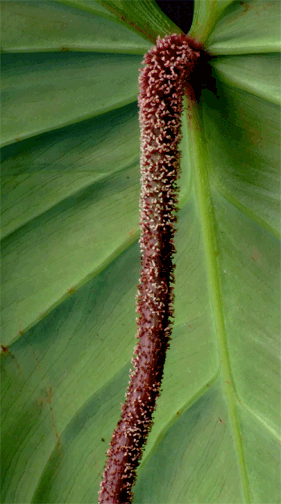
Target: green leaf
74, 30
71, 260
57, 79
247, 28
143, 17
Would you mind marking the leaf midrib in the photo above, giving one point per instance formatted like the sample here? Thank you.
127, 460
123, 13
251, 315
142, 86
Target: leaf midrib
206, 212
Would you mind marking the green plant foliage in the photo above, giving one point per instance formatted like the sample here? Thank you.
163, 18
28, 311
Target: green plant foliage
71, 260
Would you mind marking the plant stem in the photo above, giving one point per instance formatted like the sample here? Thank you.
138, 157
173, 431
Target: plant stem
162, 82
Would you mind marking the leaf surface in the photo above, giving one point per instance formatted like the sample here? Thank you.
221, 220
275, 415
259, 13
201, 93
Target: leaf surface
71, 261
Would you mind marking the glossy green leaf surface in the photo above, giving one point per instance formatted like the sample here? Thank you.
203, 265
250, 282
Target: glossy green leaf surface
71, 260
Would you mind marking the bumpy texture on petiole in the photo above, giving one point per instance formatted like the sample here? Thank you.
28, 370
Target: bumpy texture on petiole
162, 82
